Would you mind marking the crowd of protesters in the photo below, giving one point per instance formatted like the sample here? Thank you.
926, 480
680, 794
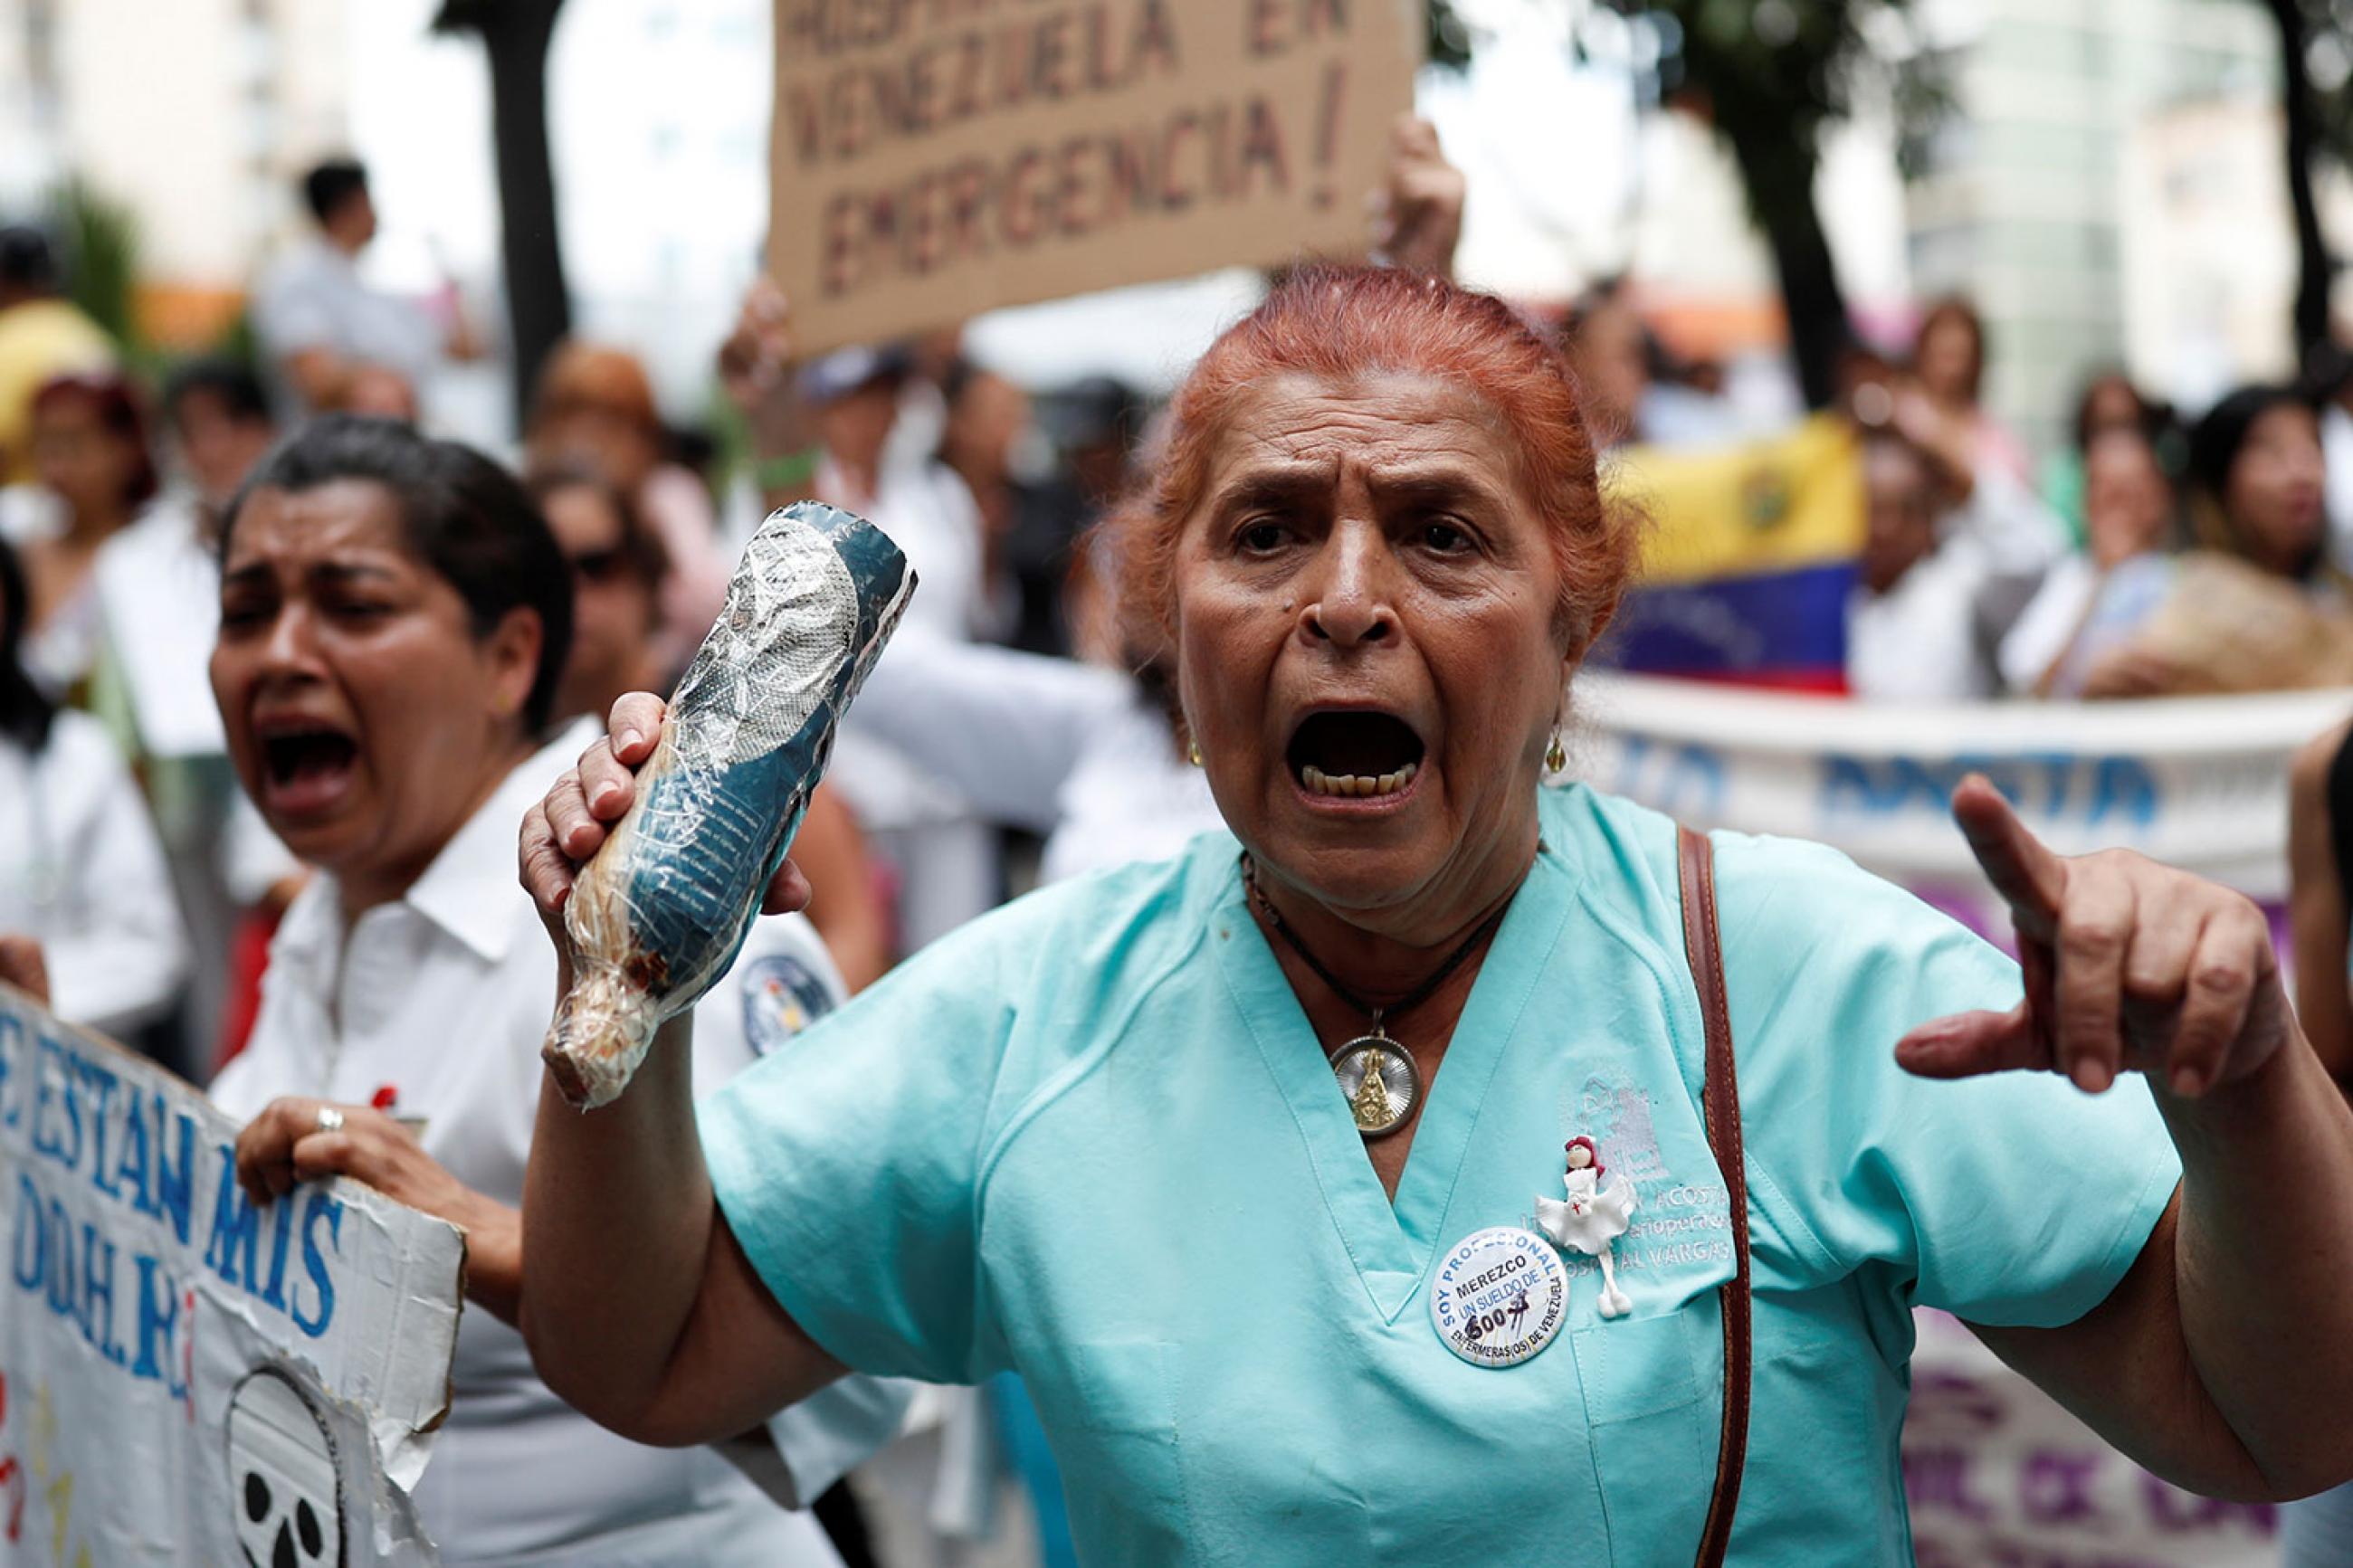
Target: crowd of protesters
2156, 553
279, 673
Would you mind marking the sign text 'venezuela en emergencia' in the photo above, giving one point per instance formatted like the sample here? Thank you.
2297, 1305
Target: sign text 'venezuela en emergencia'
931, 158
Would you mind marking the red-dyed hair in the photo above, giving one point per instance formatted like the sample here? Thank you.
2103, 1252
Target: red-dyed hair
121, 414
1589, 1148
1342, 323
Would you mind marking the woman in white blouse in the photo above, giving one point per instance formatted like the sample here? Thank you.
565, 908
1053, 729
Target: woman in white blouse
81, 869
394, 616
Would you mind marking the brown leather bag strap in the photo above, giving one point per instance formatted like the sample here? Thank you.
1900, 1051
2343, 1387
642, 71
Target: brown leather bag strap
1720, 1103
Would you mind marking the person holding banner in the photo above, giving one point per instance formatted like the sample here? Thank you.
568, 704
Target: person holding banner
2254, 605
1234, 1157
395, 619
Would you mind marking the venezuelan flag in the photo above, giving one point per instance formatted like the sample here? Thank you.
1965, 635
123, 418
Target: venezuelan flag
1752, 553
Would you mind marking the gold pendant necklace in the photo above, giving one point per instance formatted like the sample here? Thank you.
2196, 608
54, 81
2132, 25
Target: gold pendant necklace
1377, 1076
1379, 1079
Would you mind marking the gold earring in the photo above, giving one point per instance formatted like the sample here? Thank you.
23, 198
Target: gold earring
1193, 751
1556, 758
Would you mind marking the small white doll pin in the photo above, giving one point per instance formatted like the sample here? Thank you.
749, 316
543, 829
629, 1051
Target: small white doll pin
1592, 1219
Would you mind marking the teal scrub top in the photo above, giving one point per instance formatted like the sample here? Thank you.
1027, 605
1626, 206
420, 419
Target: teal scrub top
1093, 1138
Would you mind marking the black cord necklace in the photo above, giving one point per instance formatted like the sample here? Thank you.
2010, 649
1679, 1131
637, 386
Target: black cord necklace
1375, 1073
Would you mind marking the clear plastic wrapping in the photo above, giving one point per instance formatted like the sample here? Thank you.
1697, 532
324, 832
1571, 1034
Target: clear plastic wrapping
660, 912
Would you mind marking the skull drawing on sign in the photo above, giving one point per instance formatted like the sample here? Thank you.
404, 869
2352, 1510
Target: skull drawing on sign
284, 1480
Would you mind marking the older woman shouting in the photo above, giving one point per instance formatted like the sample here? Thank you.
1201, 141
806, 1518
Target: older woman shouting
1344, 1189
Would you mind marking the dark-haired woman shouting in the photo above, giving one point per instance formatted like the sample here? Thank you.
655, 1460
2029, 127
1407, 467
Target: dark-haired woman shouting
395, 618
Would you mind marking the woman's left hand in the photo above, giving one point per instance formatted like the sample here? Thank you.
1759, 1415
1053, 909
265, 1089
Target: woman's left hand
2129, 965
286, 1145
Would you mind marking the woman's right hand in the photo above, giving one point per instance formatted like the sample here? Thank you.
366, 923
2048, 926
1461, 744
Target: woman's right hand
24, 965
566, 830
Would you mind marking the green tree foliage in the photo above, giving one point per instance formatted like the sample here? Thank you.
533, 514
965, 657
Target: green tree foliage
1772, 77
98, 241
1450, 40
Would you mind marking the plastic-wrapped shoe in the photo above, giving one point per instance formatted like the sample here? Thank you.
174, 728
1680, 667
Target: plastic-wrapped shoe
660, 912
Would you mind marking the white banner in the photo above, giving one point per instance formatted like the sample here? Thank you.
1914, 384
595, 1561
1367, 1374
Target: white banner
184, 1377
2199, 782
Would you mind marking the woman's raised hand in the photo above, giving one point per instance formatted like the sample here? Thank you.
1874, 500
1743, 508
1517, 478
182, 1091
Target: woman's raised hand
2130, 966
567, 828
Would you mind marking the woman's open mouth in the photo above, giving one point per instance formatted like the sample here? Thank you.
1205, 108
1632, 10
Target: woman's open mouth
306, 769
1354, 756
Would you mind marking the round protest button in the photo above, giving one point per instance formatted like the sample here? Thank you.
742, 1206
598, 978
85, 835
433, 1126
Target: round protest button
1499, 1297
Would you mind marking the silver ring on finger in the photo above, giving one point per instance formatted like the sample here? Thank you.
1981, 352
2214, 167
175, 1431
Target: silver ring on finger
330, 1119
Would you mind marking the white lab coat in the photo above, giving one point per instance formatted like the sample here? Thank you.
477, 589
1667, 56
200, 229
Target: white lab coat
945, 852
1921, 641
59, 653
312, 297
81, 869
444, 998
1073, 751
158, 591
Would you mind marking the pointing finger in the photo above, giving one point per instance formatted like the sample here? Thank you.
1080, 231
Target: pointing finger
2031, 879
1969, 1044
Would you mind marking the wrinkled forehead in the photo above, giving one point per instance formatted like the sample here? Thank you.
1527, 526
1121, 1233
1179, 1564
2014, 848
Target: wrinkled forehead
346, 521
1385, 425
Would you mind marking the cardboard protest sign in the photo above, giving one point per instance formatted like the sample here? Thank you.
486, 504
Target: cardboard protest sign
184, 1377
929, 159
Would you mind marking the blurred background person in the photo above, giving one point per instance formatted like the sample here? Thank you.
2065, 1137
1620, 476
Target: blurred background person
1637, 389
217, 414
158, 579
2093, 599
396, 618
157, 587
1932, 601
942, 856
618, 568
332, 340
80, 871
2260, 484
2254, 606
2110, 400
43, 336
1949, 357
1612, 352
593, 409
985, 437
94, 473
